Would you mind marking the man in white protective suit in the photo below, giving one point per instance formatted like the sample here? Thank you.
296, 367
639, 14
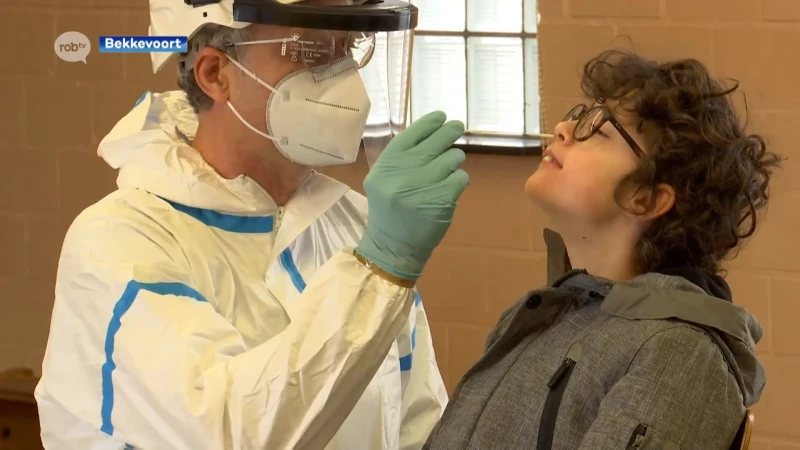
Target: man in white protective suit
227, 296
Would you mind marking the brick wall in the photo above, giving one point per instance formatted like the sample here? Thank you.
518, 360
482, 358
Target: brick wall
55, 113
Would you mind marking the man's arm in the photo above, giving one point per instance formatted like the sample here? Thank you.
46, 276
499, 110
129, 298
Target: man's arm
160, 368
678, 393
424, 393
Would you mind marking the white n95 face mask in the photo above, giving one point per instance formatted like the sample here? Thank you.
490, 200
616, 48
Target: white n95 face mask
316, 118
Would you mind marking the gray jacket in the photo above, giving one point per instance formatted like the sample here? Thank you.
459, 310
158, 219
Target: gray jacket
655, 363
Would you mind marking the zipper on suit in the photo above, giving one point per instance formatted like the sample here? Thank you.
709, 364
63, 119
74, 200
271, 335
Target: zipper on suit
278, 218
637, 438
557, 385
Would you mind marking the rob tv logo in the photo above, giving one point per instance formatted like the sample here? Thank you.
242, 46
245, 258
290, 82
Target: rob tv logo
73, 46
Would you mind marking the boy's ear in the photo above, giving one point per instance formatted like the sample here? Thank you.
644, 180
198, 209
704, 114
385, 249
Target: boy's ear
650, 204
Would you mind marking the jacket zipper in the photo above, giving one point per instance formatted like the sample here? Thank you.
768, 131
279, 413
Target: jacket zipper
557, 385
637, 438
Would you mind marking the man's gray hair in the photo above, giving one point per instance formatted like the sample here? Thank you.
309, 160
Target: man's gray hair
216, 36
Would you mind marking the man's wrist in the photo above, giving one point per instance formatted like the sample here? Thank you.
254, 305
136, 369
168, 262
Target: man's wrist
402, 282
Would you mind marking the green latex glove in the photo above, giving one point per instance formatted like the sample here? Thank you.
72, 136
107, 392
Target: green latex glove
412, 191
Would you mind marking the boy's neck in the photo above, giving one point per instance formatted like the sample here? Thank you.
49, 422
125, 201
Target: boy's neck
603, 254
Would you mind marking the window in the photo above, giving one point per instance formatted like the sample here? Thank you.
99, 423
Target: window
474, 59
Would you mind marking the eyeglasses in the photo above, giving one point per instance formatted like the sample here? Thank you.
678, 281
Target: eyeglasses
591, 119
318, 49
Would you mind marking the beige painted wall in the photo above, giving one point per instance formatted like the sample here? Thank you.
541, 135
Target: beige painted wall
54, 114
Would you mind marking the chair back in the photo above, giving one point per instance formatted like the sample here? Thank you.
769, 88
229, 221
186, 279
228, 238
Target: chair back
742, 440
19, 416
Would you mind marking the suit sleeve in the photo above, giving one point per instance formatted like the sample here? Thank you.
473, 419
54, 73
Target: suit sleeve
678, 393
161, 368
424, 394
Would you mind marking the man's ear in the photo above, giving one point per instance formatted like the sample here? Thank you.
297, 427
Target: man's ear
650, 204
209, 74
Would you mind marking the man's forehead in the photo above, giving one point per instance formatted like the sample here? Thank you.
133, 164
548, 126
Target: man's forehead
261, 31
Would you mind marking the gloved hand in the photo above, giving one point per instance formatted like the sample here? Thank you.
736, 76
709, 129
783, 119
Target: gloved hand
412, 191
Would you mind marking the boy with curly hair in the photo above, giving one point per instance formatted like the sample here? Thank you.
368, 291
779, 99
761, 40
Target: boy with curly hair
640, 345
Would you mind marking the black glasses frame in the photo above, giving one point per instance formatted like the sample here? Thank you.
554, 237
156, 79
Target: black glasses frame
582, 113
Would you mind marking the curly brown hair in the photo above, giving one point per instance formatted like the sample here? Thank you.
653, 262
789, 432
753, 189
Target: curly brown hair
696, 143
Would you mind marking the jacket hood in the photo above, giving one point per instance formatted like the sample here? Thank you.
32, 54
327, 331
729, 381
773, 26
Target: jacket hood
151, 147
704, 300
712, 284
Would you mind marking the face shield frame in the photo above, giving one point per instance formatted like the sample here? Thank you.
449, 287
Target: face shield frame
369, 16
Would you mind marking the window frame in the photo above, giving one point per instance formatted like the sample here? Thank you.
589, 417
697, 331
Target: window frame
524, 144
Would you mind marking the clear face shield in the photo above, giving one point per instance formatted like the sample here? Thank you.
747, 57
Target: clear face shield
387, 81
327, 36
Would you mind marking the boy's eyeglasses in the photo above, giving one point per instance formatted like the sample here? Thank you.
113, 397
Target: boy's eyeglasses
591, 119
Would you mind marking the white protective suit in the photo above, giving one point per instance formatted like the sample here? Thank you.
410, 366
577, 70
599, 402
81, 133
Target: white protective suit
191, 312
